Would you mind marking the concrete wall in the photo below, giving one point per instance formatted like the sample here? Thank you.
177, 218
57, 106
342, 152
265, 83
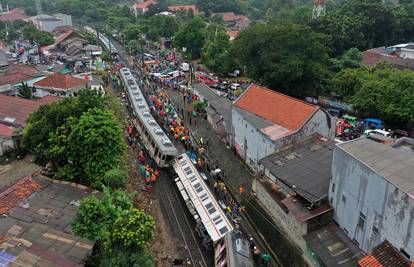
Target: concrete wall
6, 144
252, 145
292, 227
356, 189
321, 123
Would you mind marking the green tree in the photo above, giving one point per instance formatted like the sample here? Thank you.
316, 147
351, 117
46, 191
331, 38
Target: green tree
161, 26
121, 231
191, 35
92, 219
102, 147
47, 132
350, 59
132, 31
216, 51
25, 91
115, 178
218, 6
387, 93
117, 257
286, 57
133, 231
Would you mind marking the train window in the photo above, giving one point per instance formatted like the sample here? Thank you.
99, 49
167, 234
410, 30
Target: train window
152, 143
199, 190
224, 230
204, 197
212, 210
209, 206
189, 171
216, 218
192, 178
197, 185
156, 152
163, 157
218, 221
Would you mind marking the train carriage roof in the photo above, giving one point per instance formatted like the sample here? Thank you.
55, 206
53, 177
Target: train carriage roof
142, 110
208, 209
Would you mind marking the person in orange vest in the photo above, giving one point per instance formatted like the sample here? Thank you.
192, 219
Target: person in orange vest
241, 190
153, 178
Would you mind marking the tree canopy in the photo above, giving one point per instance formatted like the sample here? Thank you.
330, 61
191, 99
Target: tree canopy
121, 231
382, 92
216, 50
79, 137
289, 58
191, 35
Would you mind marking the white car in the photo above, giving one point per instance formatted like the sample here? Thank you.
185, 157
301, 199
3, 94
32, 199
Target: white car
377, 131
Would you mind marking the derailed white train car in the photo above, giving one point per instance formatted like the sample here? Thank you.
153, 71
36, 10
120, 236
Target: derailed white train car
158, 145
230, 248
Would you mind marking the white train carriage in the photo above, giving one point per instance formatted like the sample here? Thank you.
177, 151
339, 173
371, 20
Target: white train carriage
212, 223
158, 145
103, 39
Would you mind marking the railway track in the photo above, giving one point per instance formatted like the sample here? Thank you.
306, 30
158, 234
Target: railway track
176, 212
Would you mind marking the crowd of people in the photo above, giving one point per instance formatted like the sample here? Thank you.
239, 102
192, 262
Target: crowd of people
171, 119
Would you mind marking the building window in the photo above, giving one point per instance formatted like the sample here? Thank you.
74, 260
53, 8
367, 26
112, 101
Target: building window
405, 253
375, 230
361, 220
344, 199
333, 187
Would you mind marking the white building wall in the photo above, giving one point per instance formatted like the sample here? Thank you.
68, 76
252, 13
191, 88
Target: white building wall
246, 136
321, 123
355, 189
259, 145
407, 53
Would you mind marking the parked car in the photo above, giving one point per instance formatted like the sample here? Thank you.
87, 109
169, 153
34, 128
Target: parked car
379, 132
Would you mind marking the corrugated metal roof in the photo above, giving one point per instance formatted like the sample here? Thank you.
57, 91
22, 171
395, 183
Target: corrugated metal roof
393, 164
305, 167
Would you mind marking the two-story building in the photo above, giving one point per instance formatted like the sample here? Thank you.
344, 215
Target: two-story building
372, 192
264, 121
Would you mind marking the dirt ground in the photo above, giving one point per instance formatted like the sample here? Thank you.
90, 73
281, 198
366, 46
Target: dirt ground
164, 244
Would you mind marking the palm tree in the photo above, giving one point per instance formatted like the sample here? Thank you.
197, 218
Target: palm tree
25, 91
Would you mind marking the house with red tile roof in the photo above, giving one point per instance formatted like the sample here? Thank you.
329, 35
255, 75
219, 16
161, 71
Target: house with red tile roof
232, 20
400, 56
142, 7
193, 8
60, 85
14, 111
264, 120
16, 74
13, 15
